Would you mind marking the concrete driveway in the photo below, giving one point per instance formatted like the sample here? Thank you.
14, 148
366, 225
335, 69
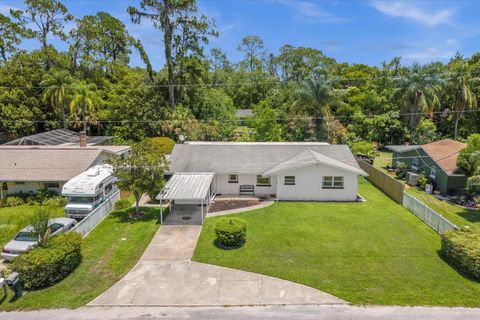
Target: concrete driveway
165, 276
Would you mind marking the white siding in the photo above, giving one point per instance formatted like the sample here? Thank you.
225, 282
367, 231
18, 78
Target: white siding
29, 187
308, 185
222, 186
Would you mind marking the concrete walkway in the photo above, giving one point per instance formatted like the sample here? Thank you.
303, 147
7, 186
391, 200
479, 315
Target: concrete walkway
165, 276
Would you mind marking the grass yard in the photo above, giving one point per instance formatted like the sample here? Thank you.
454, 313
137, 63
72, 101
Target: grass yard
375, 252
382, 160
12, 219
457, 215
109, 252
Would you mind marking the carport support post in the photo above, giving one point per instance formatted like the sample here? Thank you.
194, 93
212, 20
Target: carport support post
161, 212
201, 206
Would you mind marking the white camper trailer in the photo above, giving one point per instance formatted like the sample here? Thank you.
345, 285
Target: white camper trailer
88, 190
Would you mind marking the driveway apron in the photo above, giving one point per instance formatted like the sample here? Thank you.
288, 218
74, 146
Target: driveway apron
165, 276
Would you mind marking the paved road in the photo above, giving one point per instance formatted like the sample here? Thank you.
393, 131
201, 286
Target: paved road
331, 312
165, 276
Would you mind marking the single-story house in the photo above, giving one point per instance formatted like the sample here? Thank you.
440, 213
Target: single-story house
438, 160
28, 169
292, 171
60, 137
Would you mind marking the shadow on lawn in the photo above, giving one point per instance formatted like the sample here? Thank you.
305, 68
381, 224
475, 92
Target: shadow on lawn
125, 215
470, 215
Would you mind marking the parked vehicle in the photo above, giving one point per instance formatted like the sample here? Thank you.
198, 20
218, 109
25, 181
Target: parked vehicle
88, 190
26, 238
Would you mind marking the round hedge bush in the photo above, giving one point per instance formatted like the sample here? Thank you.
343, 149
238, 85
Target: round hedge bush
50, 262
462, 250
122, 204
231, 232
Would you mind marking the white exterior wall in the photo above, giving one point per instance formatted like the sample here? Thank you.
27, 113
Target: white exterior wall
308, 185
222, 186
29, 187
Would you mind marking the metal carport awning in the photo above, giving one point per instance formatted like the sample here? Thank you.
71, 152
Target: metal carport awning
187, 186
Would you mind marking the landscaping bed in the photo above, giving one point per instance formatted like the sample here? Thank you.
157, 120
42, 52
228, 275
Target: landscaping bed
373, 252
222, 205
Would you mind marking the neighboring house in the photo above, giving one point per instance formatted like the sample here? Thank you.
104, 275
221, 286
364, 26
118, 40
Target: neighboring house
438, 160
60, 137
28, 169
285, 170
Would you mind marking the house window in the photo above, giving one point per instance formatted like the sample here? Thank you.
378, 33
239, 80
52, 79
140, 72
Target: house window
289, 180
52, 185
433, 172
19, 183
233, 178
263, 181
415, 163
332, 182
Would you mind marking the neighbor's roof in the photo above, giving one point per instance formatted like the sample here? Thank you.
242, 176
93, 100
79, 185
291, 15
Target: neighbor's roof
402, 148
243, 113
187, 186
109, 149
445, 153
58, 137
248, 158
40, 164
308, 158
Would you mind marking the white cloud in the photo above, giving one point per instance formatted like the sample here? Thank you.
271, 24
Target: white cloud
312, 12
409, 10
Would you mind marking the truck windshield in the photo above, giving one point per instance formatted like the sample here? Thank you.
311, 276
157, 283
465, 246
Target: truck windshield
26, 236
80, 199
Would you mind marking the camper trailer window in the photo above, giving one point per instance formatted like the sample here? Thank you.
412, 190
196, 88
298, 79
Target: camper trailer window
80, 200
108, 188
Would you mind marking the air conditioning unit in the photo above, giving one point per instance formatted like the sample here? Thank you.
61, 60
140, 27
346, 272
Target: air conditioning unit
412, 178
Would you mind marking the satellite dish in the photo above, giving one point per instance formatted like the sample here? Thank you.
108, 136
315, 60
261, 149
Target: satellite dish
181, 138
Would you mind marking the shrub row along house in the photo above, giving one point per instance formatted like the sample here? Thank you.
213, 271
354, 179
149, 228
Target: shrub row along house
27, 169
438, 160
292, 171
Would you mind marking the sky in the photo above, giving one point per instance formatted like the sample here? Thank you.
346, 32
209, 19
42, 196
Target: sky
367, 31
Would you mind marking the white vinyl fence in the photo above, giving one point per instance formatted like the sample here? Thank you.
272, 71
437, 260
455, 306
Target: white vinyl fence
97, 215
436, 221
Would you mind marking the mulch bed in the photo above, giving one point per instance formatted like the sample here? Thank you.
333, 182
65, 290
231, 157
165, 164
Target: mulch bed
221, 205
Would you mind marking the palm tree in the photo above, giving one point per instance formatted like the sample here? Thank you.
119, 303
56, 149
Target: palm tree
420, 93
57, 86
314, 98
83, 101
461, 82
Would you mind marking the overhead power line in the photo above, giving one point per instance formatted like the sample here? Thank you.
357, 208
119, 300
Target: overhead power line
240, 120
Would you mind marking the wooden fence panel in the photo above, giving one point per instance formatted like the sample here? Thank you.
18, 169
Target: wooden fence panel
389, 186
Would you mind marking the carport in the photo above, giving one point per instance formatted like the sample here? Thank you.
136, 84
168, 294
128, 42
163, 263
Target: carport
186, 192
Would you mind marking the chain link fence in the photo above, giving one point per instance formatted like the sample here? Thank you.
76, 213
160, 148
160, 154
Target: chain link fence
436, 221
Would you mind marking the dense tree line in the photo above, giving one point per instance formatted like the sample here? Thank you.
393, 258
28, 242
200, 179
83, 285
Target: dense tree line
297, 94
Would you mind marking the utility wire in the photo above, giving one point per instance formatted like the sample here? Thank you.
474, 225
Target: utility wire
240, 120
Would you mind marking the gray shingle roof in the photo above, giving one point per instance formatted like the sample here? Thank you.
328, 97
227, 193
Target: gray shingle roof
248, 158
30, 164
58, 137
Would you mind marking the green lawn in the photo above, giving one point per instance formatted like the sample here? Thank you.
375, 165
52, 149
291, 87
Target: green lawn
12, 219
382, 160
455, 214
374, 252
109, 252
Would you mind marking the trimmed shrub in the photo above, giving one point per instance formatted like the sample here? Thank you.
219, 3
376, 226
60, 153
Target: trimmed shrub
401, 170
13, 201
51, 262
32, 201
56, 201
45, 193
231, 232
122, 204
462, 250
